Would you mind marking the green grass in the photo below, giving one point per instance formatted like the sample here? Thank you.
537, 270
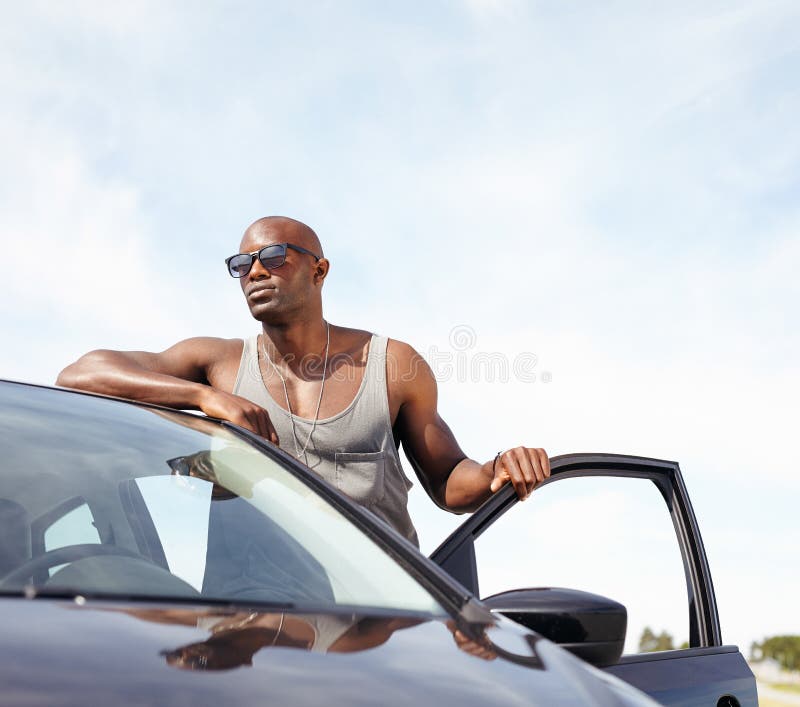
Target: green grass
786, 686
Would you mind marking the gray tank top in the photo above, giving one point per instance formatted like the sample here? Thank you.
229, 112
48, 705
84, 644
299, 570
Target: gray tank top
354, 450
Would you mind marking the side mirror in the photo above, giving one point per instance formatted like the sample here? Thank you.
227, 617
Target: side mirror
588, 625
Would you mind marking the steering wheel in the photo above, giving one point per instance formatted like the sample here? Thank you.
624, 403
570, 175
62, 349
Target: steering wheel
64, 555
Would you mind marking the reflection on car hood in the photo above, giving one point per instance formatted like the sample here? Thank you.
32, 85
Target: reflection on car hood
62, 653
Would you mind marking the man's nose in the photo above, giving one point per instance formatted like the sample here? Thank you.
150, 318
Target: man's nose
258, 271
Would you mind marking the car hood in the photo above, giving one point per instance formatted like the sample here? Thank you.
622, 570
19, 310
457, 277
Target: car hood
90, 653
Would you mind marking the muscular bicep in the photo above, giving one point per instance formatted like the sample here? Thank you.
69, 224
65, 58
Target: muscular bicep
427, 441
192, 359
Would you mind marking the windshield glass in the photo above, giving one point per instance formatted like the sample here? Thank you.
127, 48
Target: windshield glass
102, 497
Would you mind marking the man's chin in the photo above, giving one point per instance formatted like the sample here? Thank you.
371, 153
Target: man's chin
262, 307
267, 313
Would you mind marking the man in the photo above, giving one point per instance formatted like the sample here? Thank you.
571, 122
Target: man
341, 400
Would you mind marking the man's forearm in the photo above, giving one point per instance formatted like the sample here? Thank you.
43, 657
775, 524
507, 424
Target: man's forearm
468, 486
114, 373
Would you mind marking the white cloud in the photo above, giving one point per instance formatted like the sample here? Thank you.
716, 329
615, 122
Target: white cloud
109, 17
483, 9
78, 256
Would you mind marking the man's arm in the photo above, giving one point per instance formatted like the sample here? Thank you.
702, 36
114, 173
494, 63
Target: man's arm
454, 481
181, 377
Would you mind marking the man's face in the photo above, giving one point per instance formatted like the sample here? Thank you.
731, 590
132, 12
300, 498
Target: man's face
280, 294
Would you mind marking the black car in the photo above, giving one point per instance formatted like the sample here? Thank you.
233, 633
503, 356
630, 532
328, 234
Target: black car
150, 556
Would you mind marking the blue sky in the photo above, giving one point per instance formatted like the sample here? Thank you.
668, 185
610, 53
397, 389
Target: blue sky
612, 187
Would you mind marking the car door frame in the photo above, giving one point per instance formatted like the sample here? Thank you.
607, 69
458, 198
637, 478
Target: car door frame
651, 672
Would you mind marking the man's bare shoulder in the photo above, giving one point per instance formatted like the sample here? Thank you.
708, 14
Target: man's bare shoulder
207, 348
216, 358
403, 352
406, 367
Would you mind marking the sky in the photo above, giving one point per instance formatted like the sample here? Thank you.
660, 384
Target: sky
608, 192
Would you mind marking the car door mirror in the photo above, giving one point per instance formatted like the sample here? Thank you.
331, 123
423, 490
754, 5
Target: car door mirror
588, 625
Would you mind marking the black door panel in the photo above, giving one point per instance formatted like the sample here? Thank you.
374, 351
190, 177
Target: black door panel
701, 674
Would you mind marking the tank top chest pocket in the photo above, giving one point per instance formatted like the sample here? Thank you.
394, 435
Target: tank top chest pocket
360, 475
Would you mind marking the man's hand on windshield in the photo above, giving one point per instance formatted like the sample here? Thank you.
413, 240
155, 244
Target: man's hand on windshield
240, 411
524, 467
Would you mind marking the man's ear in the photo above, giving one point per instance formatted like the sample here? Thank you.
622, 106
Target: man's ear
321, 268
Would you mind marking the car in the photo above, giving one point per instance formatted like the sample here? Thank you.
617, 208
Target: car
153, 556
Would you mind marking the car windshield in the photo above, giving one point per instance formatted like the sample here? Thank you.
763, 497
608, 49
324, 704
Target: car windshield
106, 498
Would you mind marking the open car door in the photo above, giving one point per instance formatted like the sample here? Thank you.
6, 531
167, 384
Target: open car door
704, 671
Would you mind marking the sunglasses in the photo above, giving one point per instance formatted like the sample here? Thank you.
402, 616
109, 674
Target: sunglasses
271, 257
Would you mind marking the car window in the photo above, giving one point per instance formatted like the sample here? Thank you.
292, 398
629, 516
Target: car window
72, 523
73, 528
179, 508
257, 524
606, 535
184, 508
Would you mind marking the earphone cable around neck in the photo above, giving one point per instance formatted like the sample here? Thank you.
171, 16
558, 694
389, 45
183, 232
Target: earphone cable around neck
302, 452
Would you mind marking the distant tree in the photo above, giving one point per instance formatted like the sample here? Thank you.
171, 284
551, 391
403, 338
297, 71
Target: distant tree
755, 651
647, 640
650, 642
783, 649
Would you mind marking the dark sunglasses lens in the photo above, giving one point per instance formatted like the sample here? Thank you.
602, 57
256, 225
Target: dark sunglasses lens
273, 256
239, 265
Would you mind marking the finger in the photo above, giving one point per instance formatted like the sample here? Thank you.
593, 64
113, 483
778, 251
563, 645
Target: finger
537, 466
517, 478
270, 432
472, 648
244, 418
249, 420
264, 425
500, 475
478, 650
499, 480
545, 461
460, 639
527, 465
484, 653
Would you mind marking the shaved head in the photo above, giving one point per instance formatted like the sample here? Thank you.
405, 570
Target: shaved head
290, 292
280, 229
